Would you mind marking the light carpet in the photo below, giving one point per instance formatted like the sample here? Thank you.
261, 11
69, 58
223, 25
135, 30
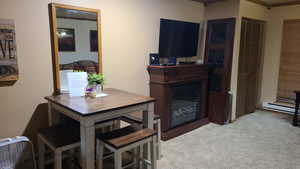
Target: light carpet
261, 140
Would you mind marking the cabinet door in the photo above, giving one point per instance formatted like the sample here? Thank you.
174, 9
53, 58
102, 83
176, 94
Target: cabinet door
250, 60
218, 55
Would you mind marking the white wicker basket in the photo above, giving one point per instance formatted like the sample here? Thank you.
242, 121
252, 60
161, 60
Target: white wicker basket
17, 153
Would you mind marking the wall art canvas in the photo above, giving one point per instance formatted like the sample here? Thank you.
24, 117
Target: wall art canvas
66, 39
8, 51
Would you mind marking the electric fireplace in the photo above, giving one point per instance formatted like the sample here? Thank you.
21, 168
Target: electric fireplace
185, 103
181, 94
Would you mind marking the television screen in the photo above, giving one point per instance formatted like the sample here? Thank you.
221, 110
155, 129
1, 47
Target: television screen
178, 39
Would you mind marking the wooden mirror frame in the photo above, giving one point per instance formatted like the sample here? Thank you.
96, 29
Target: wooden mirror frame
54, 40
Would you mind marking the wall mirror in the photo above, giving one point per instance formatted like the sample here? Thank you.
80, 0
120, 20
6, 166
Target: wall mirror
76, 42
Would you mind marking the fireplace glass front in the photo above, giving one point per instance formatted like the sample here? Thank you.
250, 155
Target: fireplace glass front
185, 103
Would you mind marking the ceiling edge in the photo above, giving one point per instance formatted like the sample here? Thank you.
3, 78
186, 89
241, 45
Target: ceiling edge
268, 5
286, 4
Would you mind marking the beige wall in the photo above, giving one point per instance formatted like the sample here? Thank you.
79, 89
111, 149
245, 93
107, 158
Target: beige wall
220, 10
254, 11
130, 33
273, 49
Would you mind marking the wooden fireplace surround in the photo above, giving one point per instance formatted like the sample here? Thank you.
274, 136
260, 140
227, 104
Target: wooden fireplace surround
161, 80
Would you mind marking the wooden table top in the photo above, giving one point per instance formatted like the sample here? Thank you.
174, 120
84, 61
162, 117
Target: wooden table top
85, 106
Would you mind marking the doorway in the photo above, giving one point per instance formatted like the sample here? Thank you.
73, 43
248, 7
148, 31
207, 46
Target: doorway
250, 66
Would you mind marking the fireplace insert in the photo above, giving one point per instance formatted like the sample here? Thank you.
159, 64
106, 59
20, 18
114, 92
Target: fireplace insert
185, 103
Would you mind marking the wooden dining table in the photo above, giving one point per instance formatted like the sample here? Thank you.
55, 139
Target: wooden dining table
89, 111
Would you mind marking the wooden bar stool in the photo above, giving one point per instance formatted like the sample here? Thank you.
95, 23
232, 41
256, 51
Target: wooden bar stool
137, 118
126, 139
62, 138
297, 102
59, 138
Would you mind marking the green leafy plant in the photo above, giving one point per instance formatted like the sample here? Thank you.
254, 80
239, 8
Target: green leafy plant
96, 79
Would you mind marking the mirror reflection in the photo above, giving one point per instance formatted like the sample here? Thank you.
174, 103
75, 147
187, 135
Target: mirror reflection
77, 34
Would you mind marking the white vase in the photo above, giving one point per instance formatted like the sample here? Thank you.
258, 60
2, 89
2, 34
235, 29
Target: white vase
97, 88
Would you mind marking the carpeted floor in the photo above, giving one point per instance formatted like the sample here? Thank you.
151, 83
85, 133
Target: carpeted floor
262, 140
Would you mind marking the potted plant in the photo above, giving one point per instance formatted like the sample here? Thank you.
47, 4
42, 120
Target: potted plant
96, 82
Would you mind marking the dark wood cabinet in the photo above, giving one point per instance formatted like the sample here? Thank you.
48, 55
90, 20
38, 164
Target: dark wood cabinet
218, 56
181, 94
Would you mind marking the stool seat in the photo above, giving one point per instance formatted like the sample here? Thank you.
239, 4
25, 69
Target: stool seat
137, 118
60, 139
125, 136
61, 135
130, 138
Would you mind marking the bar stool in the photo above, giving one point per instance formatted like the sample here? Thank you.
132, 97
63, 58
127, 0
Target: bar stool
61, 138
137, 118
125, 139
297, 102
58, 138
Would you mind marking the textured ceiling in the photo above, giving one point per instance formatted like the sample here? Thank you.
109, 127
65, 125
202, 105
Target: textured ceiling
268, 3
277, 1
207, 1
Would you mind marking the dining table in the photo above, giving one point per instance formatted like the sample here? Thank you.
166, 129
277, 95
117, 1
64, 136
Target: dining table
88, 111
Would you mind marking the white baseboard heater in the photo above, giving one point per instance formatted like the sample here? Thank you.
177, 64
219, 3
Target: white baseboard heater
288, 109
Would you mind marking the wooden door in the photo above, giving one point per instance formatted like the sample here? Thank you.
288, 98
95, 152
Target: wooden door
250, 62
218, 55
289, 72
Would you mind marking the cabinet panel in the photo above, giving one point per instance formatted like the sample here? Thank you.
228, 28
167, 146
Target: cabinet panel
218, 55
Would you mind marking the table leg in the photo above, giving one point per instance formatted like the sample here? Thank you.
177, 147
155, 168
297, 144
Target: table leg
148, 121
117, 124
148, 116
50, 118
87, 136
53, 116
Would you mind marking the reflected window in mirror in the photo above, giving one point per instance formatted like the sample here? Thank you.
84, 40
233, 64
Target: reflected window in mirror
66, 39
76, 32
93, 41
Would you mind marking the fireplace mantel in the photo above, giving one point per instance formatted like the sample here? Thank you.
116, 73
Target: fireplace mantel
182, 90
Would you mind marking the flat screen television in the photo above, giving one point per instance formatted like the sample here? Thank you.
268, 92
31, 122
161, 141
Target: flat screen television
178, 39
